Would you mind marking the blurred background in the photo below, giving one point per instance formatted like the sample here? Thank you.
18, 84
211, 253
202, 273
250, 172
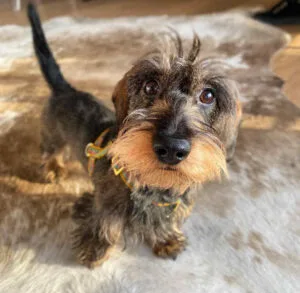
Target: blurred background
286, 64
11, 10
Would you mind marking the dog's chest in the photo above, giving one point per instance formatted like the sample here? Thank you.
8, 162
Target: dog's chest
152, 208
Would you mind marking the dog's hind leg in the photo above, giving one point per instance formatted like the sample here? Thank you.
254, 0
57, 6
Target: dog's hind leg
52, 149
95, 236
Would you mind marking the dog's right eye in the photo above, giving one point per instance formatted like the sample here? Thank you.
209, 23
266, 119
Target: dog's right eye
151, 88
207, 96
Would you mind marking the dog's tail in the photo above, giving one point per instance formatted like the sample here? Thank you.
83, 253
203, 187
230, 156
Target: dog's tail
49, 67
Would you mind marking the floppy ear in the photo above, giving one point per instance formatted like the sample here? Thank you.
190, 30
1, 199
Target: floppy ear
120, 100
230, 148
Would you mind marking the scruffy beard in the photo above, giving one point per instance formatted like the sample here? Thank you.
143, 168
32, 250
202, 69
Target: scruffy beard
133, 150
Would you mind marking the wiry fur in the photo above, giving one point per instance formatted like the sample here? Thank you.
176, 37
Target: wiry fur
205, 162
76, 118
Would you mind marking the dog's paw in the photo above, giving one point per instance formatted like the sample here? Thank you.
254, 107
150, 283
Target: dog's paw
170, 248
87, 260
55, 176
54, 170
89, 250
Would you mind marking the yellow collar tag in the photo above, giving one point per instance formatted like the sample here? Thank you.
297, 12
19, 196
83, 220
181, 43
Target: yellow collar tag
94, 151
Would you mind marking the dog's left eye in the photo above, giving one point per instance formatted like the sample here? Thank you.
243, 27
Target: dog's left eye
151, 88
207, 96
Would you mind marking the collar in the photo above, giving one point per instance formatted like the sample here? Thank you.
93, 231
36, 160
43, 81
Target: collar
94, 152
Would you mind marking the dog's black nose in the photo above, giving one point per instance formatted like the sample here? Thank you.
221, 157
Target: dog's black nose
171, 150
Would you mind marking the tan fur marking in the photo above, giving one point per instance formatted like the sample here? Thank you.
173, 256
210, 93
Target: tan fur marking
170, 249
133, 150
54, 168
120, 100
97, 263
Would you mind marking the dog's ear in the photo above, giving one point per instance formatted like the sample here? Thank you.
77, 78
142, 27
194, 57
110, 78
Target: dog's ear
230, 146
120, 100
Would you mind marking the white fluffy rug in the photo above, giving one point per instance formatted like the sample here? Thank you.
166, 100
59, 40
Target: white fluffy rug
244, 235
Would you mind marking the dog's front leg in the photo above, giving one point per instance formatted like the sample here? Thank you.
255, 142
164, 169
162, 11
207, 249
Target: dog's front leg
95, 235
171, 247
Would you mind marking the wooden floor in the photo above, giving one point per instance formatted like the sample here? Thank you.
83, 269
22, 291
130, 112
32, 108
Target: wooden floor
286, 64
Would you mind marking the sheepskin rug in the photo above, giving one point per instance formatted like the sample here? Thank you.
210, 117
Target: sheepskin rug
244, 234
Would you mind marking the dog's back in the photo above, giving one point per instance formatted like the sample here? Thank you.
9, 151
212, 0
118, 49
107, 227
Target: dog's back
71, 116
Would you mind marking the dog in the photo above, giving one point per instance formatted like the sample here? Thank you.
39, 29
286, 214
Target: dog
175, 124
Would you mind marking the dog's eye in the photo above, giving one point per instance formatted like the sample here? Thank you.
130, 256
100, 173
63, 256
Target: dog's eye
151, 88
207, 96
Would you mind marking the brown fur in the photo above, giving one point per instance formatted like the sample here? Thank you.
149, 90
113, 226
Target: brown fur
170, 248
54, 168
120, 101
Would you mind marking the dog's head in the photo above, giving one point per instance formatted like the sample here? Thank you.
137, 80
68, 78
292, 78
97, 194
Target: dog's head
178, 118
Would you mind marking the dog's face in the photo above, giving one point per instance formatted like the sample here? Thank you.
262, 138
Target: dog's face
178, 119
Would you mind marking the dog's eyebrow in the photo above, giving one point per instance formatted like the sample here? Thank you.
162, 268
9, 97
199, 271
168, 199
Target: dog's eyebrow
175, 37
213, 63
194, 52
212, 69
157, 55
177, 40
151, 59
215, 79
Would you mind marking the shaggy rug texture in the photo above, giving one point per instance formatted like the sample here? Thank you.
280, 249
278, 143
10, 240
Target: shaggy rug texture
244, 234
